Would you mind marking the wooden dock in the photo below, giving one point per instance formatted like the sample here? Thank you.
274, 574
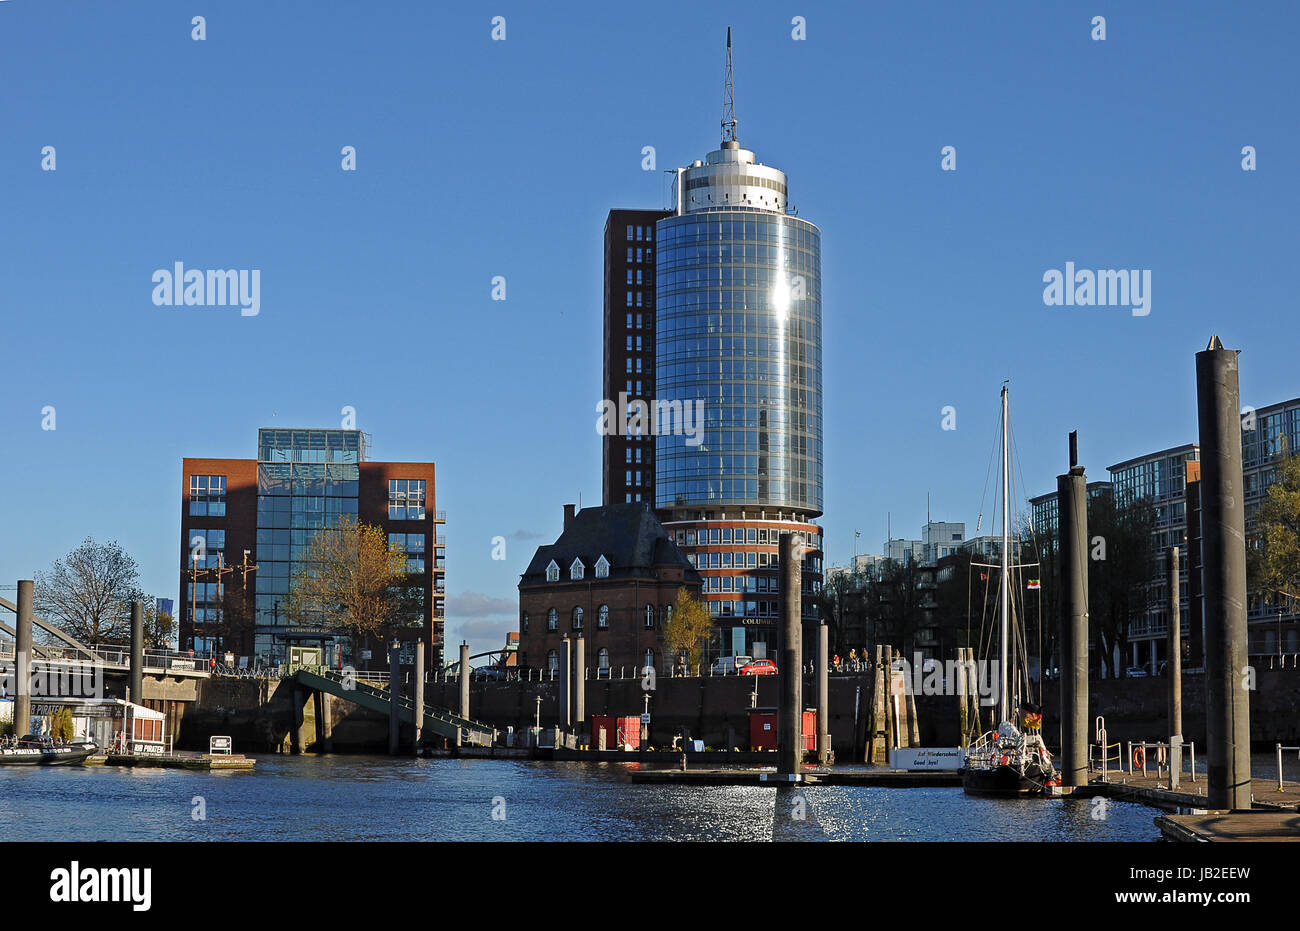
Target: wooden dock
1153, 790
199, 762
1231, 827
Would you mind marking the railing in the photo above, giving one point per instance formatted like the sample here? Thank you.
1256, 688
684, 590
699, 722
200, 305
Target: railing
1163, 748
1280, 748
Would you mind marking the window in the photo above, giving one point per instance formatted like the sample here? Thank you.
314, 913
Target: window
406, 499
649, 658
412, 544
525, 622
602, 658
577, 570
206, 546
552, 619
602, 617
668, 615
577, 618
208, 495
629, 234
649, 616
553, 572
602, 567
552, 661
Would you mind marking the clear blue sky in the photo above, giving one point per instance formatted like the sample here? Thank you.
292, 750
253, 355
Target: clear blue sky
479, 158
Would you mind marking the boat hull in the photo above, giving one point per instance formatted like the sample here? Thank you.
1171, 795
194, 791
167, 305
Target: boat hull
1001, 781
46, 756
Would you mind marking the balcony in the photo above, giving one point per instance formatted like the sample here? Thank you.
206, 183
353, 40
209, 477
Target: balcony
439, 517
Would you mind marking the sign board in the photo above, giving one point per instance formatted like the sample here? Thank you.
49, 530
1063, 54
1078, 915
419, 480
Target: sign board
645, 719
927, 758
219, 745
760, 649
182, 664
365, 654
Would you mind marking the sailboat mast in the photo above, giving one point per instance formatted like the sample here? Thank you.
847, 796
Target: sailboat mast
1006, 562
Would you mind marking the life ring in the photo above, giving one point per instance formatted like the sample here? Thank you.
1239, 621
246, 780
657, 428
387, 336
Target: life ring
1139, 758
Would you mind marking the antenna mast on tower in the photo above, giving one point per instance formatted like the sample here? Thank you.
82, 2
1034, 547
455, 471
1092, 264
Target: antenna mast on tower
729, 100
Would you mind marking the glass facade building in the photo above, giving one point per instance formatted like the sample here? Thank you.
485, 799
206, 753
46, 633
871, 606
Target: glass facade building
738, 339
306, 480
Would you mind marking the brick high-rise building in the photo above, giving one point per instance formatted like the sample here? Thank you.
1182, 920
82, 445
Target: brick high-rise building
254, 518
627, 458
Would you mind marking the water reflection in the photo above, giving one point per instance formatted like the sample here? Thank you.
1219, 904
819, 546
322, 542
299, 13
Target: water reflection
366, 798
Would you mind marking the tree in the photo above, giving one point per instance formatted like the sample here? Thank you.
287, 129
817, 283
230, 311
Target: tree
1275, 560
159, 626
352, 580
688, 629
1119, 585
62, 727
88, 593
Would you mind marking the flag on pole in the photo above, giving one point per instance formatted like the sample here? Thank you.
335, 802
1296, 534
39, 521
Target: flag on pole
1033, 583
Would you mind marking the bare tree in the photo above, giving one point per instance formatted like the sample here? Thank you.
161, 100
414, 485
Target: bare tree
88, 593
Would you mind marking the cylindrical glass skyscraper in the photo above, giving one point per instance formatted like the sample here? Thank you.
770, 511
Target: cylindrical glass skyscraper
738, 327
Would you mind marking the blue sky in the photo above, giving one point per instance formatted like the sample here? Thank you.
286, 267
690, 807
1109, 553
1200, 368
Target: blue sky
479, 158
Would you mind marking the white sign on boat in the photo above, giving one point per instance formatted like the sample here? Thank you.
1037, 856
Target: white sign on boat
926, 758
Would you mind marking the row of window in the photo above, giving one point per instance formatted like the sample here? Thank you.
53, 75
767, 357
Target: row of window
602, 659
577, 615
766, 536
577, 569
629, 453
406, 499
643, 233
208, 495
638, 303
646, 255
639, 321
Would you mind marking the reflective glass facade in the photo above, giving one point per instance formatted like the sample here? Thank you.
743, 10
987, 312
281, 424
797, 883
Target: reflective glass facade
306, 479
738, 321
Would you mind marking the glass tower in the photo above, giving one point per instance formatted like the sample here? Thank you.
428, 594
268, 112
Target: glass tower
738, 328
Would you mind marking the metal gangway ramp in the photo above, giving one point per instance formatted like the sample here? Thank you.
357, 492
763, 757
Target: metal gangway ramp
439, 721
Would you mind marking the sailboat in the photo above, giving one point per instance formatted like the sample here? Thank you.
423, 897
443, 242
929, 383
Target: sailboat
1010, 760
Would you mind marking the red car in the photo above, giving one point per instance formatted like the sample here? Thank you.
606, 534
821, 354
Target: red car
759, 667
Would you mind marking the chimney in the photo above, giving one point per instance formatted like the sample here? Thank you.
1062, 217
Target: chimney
568, 515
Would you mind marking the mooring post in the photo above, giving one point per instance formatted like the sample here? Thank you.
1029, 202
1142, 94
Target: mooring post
580, 683
823, 694
23, 658
136, 681
1072, 511
566, 685
876, 717
394, 694
1174, 670
463, 682
790, 716
1228, 677
419, 697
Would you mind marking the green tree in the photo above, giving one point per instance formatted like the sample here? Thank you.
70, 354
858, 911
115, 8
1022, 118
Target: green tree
687, 631
61, 725
1274, 563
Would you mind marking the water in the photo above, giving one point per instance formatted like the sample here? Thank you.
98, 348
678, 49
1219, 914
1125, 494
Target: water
353, 798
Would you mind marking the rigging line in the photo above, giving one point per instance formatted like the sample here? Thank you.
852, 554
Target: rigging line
989, 468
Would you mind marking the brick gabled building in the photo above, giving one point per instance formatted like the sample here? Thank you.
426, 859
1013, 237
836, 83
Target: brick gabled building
612, 576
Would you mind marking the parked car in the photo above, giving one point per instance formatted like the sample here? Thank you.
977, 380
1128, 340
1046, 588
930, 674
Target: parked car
759, 667
1136, 672
730, 665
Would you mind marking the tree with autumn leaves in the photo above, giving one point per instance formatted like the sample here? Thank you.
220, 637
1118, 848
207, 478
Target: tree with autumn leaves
352, 580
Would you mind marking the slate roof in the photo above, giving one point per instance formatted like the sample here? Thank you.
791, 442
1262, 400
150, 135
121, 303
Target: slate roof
628, 535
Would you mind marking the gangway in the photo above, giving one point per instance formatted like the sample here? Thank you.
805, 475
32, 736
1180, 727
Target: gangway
48, 628
349, 688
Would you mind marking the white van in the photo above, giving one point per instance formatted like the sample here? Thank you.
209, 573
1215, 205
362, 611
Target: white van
730, 665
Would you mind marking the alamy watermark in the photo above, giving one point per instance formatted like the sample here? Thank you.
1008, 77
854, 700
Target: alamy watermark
1106, 287
214, 287
651, 418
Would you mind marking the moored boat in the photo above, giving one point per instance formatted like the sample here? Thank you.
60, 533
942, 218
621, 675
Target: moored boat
35, 750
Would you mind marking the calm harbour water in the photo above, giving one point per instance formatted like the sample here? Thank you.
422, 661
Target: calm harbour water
351, 798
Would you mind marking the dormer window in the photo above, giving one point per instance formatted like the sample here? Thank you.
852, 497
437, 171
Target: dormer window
553, 572
602, 565
577, 570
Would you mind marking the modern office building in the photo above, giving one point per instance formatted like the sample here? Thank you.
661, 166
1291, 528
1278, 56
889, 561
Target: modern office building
246, 523
941, 538
738, 329
628, 455
611, 578
1160, 478
1044, 513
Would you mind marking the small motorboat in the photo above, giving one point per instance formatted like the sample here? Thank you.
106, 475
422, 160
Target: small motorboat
36, 750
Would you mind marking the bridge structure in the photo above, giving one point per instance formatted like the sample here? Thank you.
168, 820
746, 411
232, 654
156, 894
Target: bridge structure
375, 698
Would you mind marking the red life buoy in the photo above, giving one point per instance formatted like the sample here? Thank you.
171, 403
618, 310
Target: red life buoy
1139, 758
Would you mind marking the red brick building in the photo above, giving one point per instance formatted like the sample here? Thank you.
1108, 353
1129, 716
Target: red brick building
612, 576
246, 522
